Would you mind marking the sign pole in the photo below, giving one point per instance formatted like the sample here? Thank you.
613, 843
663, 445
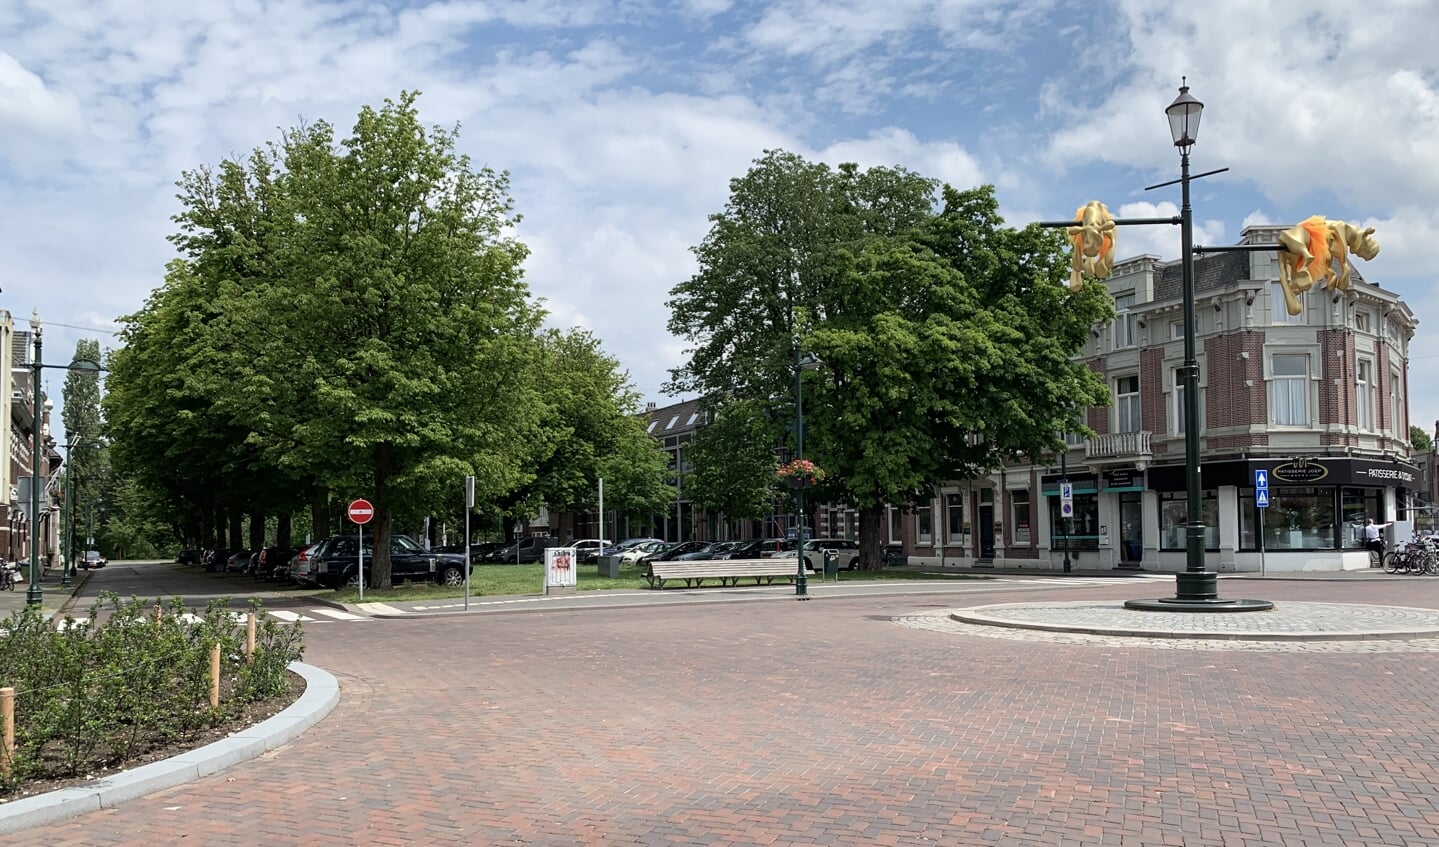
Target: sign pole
469, 506
360, 513
1261, 503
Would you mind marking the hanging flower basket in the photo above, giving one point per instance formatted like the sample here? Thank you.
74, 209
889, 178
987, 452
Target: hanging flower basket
800, 473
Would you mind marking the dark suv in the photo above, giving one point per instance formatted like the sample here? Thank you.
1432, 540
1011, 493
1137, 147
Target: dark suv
526, 551
335, 562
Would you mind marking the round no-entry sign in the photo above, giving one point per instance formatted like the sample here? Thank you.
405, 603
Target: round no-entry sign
361, 511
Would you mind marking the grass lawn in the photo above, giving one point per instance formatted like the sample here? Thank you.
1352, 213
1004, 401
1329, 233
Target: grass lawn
501, 580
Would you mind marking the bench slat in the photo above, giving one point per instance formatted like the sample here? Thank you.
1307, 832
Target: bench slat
727, 571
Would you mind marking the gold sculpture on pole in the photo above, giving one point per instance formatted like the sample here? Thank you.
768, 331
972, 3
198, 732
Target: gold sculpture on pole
1310, 250
1093, 239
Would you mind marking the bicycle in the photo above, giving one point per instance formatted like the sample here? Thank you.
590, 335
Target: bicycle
7, 577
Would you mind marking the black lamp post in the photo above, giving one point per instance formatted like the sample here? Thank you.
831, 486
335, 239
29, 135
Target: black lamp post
801, 364
34, 595
1196, 588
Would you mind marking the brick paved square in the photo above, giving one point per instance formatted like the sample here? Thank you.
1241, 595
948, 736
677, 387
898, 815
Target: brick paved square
829, 722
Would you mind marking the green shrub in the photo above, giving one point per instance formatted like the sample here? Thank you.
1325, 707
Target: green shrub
94, 692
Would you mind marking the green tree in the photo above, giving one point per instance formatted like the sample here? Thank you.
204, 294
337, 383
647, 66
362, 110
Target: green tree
1420, 439
946, 337
87, 463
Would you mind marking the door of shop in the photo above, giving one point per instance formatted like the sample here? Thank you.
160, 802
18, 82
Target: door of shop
1131, 528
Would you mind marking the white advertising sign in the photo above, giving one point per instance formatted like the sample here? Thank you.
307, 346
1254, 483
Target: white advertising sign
559, 568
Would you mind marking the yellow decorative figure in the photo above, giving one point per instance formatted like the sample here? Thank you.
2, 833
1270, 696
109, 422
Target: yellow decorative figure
1093, 239
1310, 251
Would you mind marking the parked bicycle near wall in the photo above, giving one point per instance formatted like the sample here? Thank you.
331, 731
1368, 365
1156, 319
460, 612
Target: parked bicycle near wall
1417, 556
7, 576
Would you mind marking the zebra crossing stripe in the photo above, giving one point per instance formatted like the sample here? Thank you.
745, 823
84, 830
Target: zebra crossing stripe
289, 617
337, 614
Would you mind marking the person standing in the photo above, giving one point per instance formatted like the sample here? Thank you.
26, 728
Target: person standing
1371, 537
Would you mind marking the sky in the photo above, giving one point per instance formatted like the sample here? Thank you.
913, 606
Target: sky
621, 123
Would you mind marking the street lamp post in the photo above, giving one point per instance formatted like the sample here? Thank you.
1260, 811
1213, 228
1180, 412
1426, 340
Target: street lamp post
801, 579
1197, 587
34, 594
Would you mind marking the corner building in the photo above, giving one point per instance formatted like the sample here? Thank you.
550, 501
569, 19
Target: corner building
1318, 400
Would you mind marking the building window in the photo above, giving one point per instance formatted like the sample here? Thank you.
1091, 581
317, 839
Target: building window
1289, 389
1364, 392
1176, 329
954, 518
1361, 321
1126, 404
1019, 516
1125, 322
1298, 518
924, 527
1179, 401
1396, 405
1278, 312
673, 421
1174, 517
1074, 439
896, 528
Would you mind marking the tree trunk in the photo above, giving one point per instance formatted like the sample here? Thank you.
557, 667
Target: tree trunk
257, 531
282, 530
320, 513
384, 469
871, 541
237, 524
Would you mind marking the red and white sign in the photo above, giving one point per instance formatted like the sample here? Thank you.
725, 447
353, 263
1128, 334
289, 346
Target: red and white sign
361, 511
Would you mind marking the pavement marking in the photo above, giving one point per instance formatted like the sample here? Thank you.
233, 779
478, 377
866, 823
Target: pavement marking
290, 617
380, 609
338, 614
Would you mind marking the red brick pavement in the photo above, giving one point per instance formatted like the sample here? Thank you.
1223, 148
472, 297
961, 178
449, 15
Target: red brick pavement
825, 723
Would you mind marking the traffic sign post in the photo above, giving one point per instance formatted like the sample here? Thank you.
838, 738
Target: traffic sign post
1261, 502
360, 512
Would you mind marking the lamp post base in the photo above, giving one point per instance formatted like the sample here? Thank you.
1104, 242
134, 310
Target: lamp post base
1197, 591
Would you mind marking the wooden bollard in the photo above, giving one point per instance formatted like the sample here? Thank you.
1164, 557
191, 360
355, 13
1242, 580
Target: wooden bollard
215, 675
159, 615
250, 639
7, 731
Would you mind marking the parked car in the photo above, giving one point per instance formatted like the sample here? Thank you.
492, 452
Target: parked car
713, 550
334, 562
526, 551
93, 560
670, 552
272, 563
238, 561
763, 548
635, 554
846, 549
298, 568
214, 559
588, 549
189, 557
626, 544
478, 551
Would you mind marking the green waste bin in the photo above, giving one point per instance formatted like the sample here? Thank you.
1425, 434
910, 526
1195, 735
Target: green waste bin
831, 564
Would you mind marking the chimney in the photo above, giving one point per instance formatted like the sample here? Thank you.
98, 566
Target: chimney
650, 407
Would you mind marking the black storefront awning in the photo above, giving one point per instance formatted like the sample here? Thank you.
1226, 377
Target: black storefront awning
1299, 471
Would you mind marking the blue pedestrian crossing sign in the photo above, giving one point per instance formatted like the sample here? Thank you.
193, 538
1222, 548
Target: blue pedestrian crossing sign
1261, 498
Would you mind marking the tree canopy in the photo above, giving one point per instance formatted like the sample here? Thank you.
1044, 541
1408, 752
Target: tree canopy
348, 318
946, 338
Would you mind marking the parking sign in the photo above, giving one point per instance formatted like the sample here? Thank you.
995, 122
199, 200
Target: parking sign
1066, 500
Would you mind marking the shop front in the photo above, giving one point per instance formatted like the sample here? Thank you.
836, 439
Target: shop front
1317, 508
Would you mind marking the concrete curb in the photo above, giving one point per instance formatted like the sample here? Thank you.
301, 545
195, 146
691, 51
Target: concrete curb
322, 693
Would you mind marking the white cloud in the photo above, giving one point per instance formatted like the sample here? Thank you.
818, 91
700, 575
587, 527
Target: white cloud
892, 146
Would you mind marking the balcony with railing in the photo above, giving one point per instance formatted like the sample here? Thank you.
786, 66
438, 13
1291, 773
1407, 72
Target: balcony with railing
1119, 447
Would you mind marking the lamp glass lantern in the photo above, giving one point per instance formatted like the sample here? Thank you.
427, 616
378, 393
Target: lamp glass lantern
1184, 115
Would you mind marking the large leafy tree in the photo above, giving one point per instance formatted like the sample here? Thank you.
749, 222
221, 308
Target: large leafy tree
945, 336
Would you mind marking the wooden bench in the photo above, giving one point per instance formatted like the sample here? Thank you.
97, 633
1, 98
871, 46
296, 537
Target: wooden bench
727, 571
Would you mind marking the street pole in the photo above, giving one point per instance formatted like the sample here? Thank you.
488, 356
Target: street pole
1195, 583
1068, 521
67, 544
33, 594
801, 580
